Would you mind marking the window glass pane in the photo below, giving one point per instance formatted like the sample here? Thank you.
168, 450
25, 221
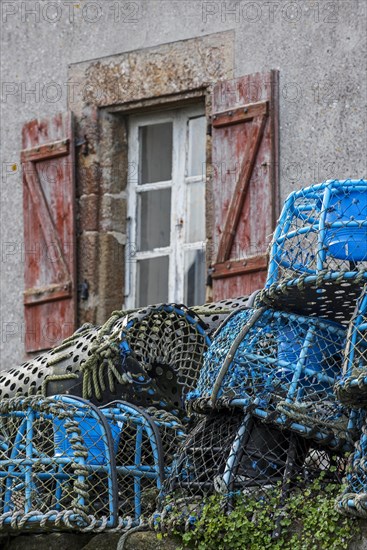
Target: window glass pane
155, 219
155, 153
152, 281
197, 142
195, 227
194, 277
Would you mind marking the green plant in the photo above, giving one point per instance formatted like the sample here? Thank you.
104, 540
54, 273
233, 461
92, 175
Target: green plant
305, 520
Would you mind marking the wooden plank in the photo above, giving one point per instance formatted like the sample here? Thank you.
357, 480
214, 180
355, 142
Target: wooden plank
236, 116
48, 293
240, 267
50, 151
274, 140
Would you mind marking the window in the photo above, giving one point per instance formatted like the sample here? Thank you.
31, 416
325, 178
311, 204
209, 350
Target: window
166, 208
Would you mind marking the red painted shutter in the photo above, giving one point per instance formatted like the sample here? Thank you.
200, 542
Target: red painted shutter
49, 231
245, 189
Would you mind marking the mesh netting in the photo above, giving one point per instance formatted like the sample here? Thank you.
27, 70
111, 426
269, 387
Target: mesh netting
281, 365
319, 251
64, 464
55, 371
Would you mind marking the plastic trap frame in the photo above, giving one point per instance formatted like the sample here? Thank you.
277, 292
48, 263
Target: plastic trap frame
66, 465
351, 389
282, 367
318, 254
232, 452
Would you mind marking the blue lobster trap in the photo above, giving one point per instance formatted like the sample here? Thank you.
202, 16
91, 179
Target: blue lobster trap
282, 367
66, 465
351, 389
48, 477
319, 250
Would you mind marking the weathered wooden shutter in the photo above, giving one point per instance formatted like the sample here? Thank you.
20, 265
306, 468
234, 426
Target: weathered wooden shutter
49, 231
244, 181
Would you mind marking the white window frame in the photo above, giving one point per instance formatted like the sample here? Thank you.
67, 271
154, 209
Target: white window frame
178, 185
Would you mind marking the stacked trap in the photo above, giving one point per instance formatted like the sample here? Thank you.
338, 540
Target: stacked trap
277, 364
282, 366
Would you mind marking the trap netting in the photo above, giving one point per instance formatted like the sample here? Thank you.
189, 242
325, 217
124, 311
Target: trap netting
66, 465
150, 357
318, 259
351, 389
283, 367
231, 452
353, 500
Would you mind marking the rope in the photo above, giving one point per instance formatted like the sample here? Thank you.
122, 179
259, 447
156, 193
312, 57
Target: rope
267, 295
139, 528
296, 411
105, 355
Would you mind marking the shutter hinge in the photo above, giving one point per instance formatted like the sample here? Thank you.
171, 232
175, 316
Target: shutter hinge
83, 290
84, 144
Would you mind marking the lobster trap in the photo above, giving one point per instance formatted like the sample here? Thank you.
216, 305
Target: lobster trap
168, 343
318, 254
66, 465
57, 466
231, 452
282, 367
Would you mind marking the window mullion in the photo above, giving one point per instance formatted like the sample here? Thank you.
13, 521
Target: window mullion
130, 263
178, 210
